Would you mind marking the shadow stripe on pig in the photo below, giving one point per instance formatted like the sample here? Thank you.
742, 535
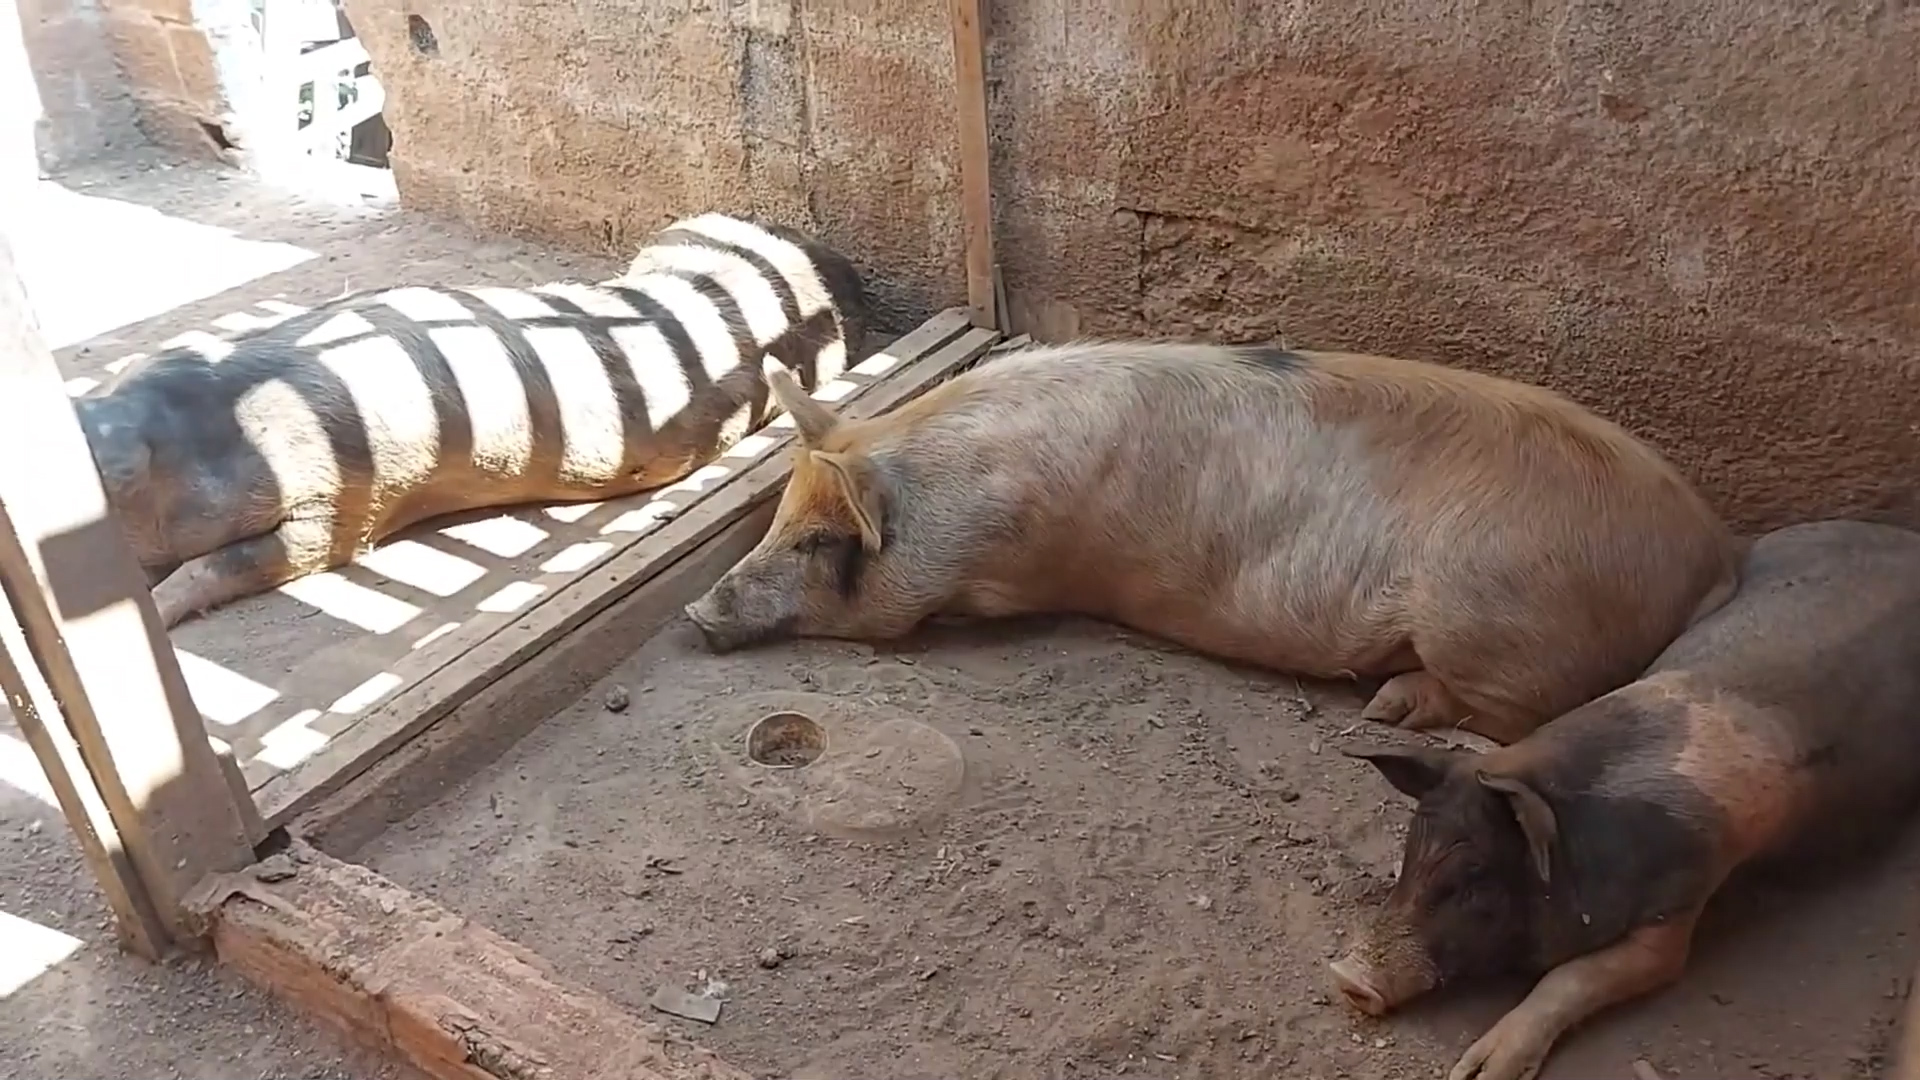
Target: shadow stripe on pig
1496, 553
242, 464
1785, 724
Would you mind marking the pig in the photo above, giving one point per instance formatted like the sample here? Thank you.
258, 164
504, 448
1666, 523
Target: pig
295, 448
1494, 552
1784, 724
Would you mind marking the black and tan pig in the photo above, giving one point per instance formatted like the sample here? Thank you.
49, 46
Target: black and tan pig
1494, 552
1785, 723
295, 448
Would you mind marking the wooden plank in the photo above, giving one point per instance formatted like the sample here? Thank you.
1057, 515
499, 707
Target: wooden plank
467, 668
976, 189
417, 982
476, 732
250, 821
137, 923
1906, 1057
90, 625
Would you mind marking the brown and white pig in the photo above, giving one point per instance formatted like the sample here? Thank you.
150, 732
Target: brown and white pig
1785, 723
296, 448
1495, 552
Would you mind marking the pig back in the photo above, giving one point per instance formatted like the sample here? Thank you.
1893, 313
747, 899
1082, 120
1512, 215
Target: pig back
1822, 645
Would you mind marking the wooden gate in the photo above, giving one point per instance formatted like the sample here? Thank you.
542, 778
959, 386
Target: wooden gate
320, 72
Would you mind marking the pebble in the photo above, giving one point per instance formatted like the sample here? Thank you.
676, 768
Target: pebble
770, 958
618, 699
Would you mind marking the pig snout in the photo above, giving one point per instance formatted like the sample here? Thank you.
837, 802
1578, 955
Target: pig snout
708, 615
1382, 974
1354, 980
738, 612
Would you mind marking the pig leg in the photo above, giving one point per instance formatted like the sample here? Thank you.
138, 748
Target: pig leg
243, 568
1644, 961
1415, 700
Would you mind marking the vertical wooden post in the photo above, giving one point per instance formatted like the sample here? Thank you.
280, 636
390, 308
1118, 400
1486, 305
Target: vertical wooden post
38, 715
976, 191
1906, 1049
113, 697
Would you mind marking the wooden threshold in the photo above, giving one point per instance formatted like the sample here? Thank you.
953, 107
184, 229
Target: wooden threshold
431, 683
417, 982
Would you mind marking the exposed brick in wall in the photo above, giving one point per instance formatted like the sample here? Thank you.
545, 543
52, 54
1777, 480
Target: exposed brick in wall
169, 69
1697, 219
87, 107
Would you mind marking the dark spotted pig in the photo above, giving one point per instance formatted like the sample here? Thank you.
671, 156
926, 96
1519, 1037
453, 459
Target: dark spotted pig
1788, 721
300, 446
1496, 553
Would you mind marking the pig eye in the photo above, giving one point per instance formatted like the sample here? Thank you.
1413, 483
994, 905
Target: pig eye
822, 541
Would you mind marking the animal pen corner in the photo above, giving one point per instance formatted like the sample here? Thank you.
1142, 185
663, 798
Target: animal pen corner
191, 848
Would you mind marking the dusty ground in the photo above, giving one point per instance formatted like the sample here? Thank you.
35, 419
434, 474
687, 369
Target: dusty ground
108, 268
1053, 850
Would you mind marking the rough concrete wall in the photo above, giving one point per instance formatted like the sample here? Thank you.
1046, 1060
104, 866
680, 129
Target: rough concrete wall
87, 108
600, 122
1699, 219
169, 66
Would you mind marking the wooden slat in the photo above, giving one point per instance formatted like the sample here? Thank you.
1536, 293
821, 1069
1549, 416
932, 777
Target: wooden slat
89, 627
250, 820
1906, 1057
419, 983
461, 666
976, 189
136, 921
416, 771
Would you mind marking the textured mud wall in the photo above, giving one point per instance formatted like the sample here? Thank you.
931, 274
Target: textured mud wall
1700, 219
111, 71
598, 122
86, 104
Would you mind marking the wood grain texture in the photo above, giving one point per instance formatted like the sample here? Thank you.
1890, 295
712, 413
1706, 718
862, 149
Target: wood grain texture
410, 979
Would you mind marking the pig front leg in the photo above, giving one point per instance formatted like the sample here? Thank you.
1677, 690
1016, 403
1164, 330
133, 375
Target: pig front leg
1517, 1046
1415, 700
243, 568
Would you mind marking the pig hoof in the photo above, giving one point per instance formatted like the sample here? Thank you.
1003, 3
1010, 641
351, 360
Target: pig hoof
1358, 991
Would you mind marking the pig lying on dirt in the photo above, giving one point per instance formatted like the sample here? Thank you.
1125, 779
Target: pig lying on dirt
1786, 721
1495, 552
310, 441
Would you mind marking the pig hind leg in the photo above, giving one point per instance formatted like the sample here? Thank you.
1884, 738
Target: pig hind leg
243, 568
1642, 962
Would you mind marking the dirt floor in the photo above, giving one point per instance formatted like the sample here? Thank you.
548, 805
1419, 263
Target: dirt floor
1053, 850
118, 258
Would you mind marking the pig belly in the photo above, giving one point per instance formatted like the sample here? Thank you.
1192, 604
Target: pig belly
1325, 648
1332, 626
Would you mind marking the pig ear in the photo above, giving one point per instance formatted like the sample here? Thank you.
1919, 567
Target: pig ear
1535, 817
853, 475
1412, 770
812, 419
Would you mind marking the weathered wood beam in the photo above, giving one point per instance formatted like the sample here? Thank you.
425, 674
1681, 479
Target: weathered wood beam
985, 291
415, 981
91, 674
